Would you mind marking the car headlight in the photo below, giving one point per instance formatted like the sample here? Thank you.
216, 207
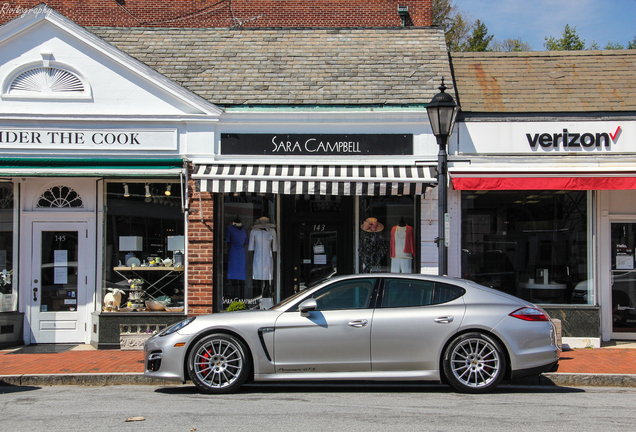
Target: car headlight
178, 326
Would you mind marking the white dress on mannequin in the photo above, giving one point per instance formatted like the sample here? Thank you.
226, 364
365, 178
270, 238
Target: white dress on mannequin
263, 244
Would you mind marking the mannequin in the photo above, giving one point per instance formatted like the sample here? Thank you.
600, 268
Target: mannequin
263, 243
236, 237
402, 248
372, 246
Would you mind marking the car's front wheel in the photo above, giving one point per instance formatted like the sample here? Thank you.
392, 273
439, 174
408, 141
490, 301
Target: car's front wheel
219, 363
474, 363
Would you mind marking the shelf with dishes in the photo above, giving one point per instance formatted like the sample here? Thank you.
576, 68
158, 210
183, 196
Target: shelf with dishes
150, 289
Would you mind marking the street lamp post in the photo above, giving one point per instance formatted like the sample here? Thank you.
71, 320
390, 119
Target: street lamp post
442, 111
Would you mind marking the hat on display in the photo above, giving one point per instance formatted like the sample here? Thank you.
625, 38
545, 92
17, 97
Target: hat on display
262, 221
371, 225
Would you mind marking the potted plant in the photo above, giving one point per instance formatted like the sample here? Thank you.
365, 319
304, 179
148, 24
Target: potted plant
236, 305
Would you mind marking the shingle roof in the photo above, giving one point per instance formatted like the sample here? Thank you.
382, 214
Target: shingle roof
401, 66
550, 81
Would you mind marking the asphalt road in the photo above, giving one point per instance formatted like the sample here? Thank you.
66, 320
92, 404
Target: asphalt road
317, 408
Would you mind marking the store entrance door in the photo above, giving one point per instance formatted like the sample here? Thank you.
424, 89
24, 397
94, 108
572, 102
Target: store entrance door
58, 286
623, 281
317, 239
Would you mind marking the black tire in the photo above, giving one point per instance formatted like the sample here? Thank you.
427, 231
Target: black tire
219, 363
474, 363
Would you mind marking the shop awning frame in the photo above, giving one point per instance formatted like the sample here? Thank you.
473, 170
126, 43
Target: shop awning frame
544, 183
91, 167
373, 180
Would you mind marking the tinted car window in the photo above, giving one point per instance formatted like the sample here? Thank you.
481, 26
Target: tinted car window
444, 293
407, 292
411, 292
353, 294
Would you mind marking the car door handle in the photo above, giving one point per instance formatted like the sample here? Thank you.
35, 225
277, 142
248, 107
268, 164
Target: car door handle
444, 319
358, 323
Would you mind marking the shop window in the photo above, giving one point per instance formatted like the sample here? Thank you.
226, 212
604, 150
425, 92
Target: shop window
531, 244
249, 244
317, 204
388, 236
144, 246
8, 289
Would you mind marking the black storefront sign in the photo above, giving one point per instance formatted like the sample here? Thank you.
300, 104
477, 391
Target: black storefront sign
316, 144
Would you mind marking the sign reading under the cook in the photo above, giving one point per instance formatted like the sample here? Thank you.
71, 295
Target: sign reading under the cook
111, 139
316, 144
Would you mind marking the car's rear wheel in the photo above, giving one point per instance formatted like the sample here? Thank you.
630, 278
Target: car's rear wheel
219, 363
474, 363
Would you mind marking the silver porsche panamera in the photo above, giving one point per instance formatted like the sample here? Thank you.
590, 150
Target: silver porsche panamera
399, 327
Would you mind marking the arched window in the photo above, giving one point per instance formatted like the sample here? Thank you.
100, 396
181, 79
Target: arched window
47, 80
6, 196
60, 197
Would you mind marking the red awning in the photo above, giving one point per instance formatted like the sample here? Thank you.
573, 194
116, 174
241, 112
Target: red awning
544, 183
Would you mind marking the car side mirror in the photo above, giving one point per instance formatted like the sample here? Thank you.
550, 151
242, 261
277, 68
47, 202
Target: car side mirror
307, 306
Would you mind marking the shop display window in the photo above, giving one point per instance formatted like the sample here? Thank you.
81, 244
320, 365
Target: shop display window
388, 235
249, 242
531, 244
144, 247
8, 289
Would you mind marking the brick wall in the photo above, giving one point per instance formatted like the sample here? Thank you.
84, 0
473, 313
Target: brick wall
226, 13
200, 252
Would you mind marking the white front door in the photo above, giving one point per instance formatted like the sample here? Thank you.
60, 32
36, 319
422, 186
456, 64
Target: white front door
59, 279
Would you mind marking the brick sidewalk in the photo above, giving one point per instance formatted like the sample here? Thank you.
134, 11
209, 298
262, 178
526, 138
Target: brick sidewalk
72, 362
599, 361
591, 361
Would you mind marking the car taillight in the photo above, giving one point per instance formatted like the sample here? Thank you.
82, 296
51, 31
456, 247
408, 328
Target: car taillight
530, 314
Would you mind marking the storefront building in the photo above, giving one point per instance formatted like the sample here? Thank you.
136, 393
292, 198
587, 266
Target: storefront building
544, 168
207, 166
327, 143
285, 222
92, 186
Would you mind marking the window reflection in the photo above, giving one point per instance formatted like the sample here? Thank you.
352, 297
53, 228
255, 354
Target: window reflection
532, 244
250, 244
8, 290
144, 247
388, 235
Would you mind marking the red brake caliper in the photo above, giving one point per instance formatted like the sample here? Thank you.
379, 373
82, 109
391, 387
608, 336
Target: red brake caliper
201, 365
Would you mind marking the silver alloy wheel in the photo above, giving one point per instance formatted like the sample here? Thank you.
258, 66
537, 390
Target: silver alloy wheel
475, 362
218, 362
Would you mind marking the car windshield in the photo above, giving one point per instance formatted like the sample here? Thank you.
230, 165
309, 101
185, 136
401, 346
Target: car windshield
288, 300
294, 296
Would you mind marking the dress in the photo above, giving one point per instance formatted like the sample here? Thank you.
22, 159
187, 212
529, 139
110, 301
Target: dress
237, 238
402, 249
263, 243
372, 251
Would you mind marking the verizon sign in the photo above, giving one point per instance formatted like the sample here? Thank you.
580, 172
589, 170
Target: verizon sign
572, 140
545, 138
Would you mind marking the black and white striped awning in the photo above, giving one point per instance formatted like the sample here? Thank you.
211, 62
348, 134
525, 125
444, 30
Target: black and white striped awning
376, 180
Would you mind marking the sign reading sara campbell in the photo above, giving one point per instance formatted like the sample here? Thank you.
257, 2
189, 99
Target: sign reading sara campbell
107, 139
316, 144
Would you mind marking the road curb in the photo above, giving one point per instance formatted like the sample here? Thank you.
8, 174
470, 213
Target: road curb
590, 380
88, 379
137, 378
